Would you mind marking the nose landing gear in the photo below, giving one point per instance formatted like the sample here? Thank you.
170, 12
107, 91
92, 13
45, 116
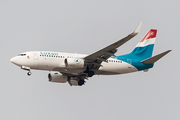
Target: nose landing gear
26, 68
29, 73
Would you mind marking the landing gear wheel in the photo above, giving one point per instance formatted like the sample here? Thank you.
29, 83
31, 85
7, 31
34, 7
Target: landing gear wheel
90, 73
29, 73
81, 82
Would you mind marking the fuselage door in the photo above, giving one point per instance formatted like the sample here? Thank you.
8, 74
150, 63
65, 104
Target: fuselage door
35, 56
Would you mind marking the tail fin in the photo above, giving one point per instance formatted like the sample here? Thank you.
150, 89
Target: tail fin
144, 48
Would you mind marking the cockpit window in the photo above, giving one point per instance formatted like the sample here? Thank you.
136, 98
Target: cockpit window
22, 55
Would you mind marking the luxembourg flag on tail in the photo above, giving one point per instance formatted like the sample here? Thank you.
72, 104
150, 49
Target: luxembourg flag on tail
144, 48
148, 39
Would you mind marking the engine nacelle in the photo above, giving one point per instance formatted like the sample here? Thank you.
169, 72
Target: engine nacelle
57, 77
74, 63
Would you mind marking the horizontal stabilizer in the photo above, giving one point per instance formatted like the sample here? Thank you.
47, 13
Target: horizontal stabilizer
153, 59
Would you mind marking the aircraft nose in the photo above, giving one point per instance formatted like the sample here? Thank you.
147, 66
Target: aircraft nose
13, 60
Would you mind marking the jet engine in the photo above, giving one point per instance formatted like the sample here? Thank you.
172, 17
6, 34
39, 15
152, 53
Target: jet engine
74, 63
57, 77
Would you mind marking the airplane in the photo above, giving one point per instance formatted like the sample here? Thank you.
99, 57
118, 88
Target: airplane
76, 68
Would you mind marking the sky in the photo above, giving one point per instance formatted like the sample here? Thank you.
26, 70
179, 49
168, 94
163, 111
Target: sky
79, 26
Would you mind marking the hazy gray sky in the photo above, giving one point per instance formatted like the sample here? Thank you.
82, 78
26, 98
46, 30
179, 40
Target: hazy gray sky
85, 27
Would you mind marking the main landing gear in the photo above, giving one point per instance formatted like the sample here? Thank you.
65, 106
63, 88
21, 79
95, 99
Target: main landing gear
89, 72
81, 82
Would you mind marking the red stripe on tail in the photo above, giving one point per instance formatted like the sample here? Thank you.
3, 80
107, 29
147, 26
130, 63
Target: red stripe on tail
149, 35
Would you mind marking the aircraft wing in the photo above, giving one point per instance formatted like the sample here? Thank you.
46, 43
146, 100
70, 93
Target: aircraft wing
94, 60
105, 53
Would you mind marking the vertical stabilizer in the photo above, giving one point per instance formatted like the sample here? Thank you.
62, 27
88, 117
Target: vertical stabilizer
144, 48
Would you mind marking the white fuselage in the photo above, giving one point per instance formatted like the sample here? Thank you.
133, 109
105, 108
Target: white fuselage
54, 61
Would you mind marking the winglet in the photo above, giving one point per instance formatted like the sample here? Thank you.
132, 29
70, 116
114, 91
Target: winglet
137, 29
153, 59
